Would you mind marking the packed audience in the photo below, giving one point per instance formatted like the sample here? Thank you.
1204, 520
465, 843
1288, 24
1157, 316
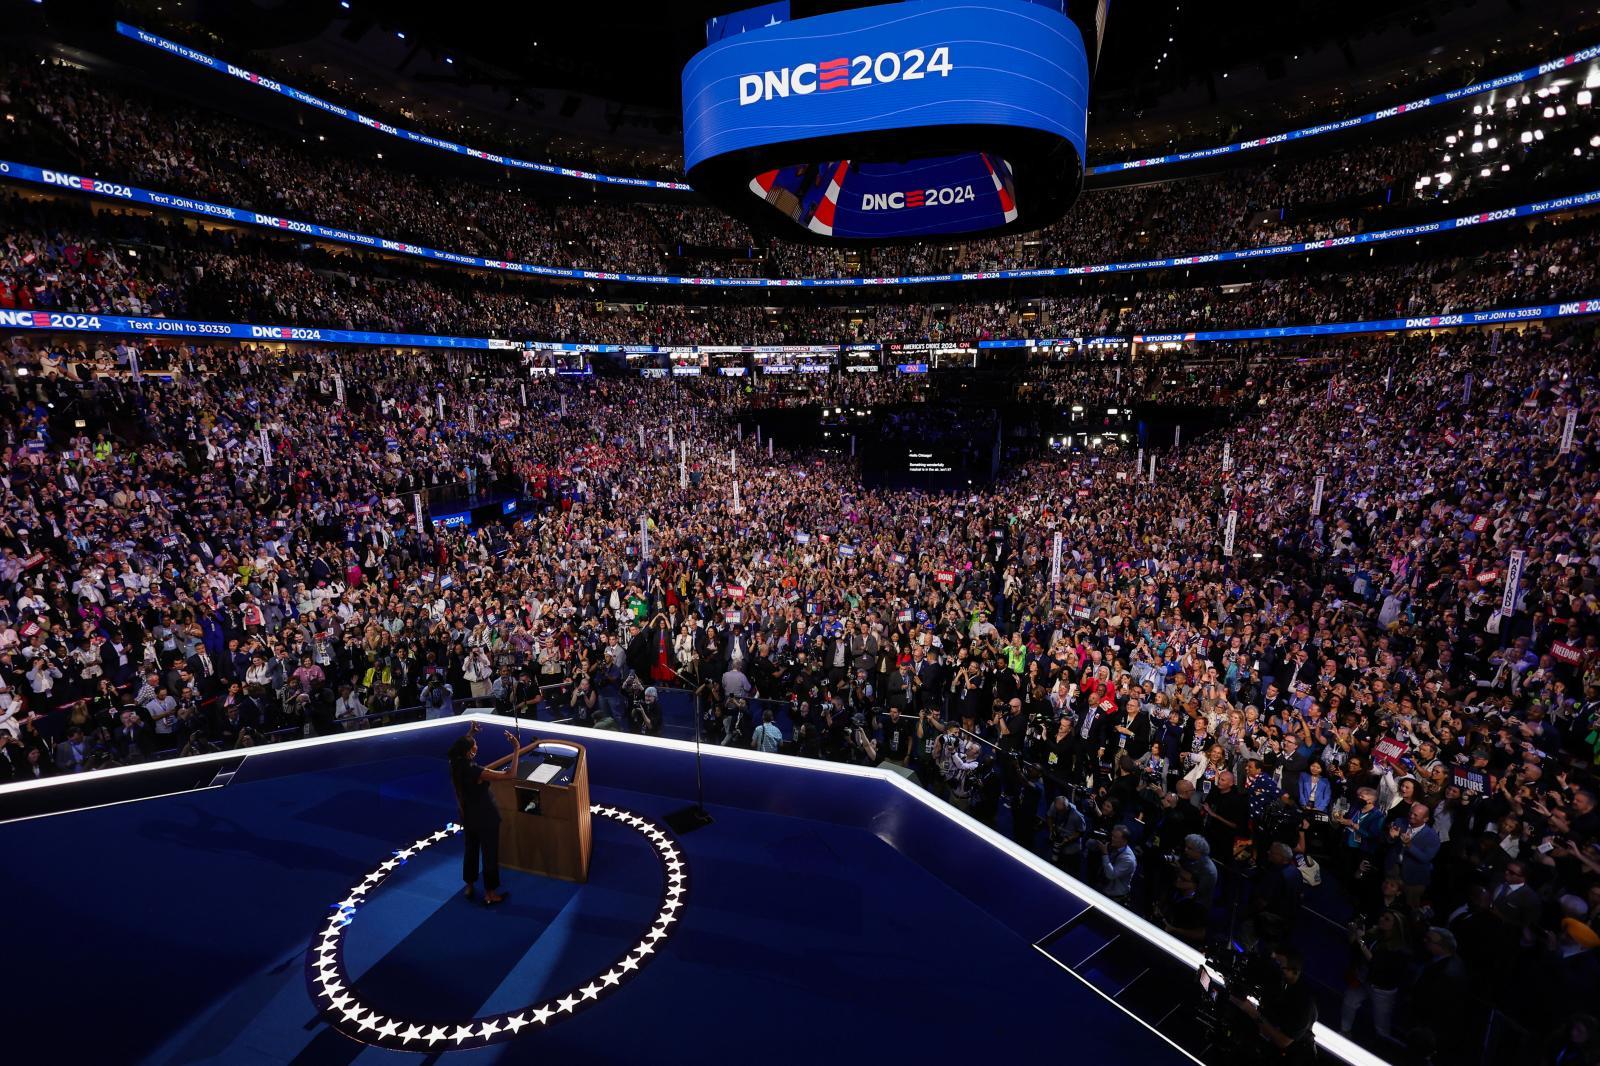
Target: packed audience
122, 132
139, 264
1339, 690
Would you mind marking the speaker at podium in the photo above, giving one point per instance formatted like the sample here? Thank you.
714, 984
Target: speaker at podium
544, 811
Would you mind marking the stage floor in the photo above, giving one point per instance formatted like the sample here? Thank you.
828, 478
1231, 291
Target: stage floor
177, 930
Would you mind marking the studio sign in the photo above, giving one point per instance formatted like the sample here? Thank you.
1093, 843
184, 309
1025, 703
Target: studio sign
340, 1002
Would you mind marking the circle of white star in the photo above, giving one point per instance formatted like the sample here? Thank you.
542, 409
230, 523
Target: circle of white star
343, 1009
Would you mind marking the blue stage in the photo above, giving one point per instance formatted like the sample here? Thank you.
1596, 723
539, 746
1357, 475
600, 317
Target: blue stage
827, 913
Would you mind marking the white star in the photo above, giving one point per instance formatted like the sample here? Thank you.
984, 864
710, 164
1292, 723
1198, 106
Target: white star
566, 1004
403, 855
591, 991
413, 1033
463, 1032
628, 964
611, 978
352, 1014
436, 1034
542, 1015
338, 1002
370, 1021
390, 865
669, 906
645, 949
389, 1028
489, 1029
656, 934
516, 1022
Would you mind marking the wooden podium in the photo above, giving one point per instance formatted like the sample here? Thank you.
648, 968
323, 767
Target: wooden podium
544, 818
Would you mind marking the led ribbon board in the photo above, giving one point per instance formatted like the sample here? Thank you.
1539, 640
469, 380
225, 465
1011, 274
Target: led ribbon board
904, 120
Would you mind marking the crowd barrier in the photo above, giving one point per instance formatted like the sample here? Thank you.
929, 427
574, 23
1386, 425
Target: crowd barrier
115, 190
300, 96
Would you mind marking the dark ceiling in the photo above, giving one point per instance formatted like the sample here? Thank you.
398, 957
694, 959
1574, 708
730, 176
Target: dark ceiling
633, 52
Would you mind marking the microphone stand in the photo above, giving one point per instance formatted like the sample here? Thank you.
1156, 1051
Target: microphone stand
694, 817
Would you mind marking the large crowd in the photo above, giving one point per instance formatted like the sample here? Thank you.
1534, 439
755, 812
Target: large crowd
1287, 671
1340, 690
121, 132
58, 255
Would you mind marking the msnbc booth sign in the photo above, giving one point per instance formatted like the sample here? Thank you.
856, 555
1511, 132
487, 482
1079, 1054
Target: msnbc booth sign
902, 120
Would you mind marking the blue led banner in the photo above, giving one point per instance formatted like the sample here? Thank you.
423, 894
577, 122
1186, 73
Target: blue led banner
817, 114
80, 322
116, 190
1502, 316
1547, 67
349, 114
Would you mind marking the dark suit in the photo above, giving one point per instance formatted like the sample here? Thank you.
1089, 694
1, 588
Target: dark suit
206, 671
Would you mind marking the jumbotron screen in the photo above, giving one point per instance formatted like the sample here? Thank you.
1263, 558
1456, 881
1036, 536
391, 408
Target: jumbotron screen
891, 121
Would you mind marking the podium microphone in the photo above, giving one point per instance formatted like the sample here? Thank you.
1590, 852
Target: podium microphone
696, 816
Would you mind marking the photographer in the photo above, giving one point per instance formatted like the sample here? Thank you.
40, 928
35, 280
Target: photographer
1117, 864
1196, 861
1285, 1015
644, 707
1066, 825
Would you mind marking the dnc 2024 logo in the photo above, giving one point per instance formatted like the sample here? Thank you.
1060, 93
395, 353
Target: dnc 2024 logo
827, 75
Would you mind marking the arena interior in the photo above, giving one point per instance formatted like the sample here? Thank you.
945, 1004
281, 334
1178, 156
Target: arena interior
1069, 531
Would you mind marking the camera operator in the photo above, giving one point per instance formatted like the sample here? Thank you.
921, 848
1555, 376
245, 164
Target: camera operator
1025, 806
1196, 861
1186, 914
1285, 1015
1117, 864
644, 708
1067, 826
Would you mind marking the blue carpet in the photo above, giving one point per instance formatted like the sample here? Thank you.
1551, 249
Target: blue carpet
802, 941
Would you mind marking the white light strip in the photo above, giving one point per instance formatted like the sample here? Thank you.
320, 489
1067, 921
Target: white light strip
1102, 994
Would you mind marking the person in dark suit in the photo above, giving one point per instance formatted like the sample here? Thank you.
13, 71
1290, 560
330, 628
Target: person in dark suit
1092, 731
131, 740
480, 821
206, 671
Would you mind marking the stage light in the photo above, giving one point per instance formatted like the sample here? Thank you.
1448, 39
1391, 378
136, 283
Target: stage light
1445, 177
1584, 97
